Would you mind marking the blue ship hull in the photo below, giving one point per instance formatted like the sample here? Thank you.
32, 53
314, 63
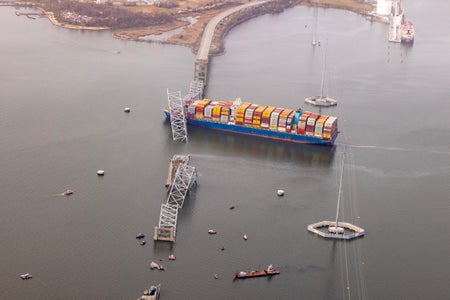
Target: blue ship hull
262, 133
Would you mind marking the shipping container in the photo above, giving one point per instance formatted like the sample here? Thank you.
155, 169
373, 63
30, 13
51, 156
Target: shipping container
257, 115
208, 111
311, 123
216, 112
289, 119
265, 119
301, 126
330, 128
191, 111
200, 107
240, 112
274, 117
282, 122
225, 114
318, 130
248, 119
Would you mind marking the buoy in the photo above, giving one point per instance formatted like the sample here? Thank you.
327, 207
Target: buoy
100, 172
280, 193
127, 109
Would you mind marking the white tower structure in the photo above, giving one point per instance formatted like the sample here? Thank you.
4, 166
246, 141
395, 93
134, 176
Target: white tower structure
384, 7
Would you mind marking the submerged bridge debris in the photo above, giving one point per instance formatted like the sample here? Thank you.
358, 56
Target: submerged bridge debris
185, 179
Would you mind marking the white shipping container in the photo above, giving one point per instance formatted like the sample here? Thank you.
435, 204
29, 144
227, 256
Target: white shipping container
208, 111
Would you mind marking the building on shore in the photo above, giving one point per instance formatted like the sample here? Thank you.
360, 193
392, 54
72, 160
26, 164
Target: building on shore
384, 7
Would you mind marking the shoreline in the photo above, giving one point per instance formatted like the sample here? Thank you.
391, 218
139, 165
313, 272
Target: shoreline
191, 34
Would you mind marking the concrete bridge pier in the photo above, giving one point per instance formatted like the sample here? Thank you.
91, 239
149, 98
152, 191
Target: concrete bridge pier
201, 71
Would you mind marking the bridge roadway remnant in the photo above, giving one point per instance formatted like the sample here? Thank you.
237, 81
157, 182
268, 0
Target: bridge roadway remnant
201, 63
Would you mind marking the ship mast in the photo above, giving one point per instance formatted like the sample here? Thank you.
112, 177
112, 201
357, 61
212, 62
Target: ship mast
340, 191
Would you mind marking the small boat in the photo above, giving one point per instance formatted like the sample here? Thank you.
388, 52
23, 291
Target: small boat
216, 276
127, 109
67, 192
245, 237
142, 243
231, 207
100, 172
26, 276
269, 271
280, 193
154, 265
212, 231
172, 257
152, 293
140, 236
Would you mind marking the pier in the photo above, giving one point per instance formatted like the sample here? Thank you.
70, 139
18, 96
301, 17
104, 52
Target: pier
337, 229
395, 22
185, 179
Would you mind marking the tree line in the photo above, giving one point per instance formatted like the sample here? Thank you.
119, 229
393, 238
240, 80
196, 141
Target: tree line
104, 14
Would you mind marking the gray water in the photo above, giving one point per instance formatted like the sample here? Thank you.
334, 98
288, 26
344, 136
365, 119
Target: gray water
61, 118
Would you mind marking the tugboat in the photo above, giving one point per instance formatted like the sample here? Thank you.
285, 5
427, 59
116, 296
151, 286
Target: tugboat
152, 293
407, 32
257, 273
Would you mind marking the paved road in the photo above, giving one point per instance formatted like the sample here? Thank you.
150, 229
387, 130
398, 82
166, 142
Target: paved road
205, 44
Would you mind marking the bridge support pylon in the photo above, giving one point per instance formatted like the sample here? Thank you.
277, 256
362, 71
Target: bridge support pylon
201, 71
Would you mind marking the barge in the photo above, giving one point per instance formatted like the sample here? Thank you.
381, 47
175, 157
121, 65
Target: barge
270, 271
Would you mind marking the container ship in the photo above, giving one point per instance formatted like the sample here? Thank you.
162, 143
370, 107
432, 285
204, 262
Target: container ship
407, 33
263, 121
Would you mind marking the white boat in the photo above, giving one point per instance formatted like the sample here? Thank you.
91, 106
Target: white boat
68, 192
212, 231
152, 293
280, 193
245, 237
322, 101
154, 265
26, 276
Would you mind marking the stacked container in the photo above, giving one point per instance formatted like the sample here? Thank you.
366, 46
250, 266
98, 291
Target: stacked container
216, 112
274, 118
208, 111
191, 110
248, 119
330, 128
240, 113
318, 130
200, 107
265, 119
301, 127
311, 124
289, 121
257, 115
282, 122
225, 112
